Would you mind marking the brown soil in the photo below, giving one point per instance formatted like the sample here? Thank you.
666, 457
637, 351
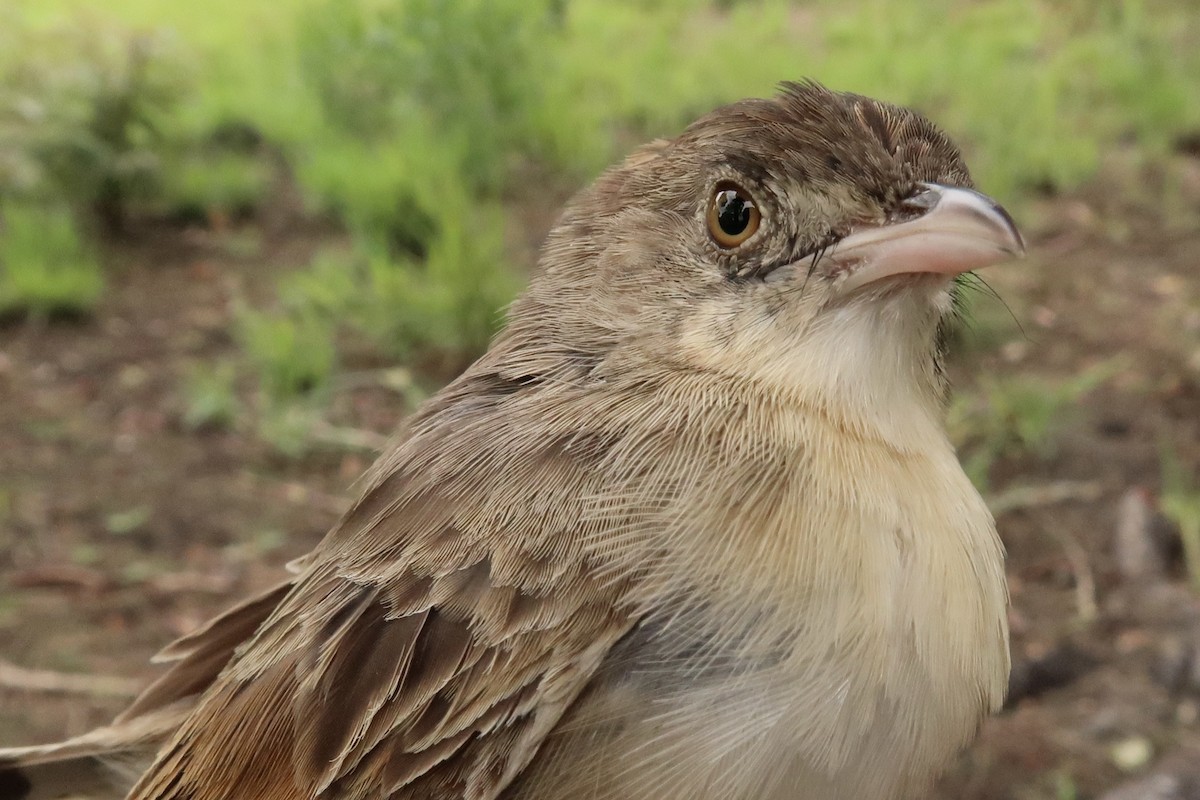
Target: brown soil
90, 427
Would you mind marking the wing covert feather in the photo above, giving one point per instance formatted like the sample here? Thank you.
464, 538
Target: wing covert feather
428, 648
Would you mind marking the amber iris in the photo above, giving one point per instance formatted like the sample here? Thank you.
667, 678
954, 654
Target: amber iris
733, 216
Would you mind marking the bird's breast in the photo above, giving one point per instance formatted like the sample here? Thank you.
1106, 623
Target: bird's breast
901, 645
842, 632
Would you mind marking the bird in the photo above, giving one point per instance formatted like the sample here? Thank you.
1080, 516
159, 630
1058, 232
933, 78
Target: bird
691, 527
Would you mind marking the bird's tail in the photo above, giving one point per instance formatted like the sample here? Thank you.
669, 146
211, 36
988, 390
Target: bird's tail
106, 762
101, 764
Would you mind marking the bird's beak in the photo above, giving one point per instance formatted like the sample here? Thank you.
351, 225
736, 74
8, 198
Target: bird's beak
955, 230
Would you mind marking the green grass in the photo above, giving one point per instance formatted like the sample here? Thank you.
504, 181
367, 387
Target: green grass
477, 73
288, 427
206, 184
1038, 90
210, 397
127, 521
293, 353
45, 269
412, 123
1015, 416
82, 110
1181, 503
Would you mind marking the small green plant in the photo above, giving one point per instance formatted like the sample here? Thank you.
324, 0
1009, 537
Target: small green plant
1181, 503
379, 189
45, 270
441, 308
293, 354
81, 107
206, 184
210, 397
449, 303
475, 71
1012, 415
1064, 786
444, 300
288, 426
127, 521
329, 286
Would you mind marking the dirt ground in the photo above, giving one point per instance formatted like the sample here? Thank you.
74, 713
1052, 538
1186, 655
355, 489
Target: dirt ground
121, 529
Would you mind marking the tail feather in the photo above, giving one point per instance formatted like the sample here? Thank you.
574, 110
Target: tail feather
199, 657
91, 777
99, 764
106, 762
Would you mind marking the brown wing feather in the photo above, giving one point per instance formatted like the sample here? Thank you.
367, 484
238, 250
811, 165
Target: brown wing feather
200, 656
433, 641
383, 706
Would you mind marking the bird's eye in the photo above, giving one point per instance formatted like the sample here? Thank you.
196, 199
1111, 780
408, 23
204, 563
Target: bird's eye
733, 216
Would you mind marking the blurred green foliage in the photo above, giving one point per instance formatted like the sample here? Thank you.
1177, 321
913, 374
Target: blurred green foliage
1015, 416
417, 125
80, 110
1180, 501
204, 183
292, 353
473, 71
45, 270
1037, 90
210, 396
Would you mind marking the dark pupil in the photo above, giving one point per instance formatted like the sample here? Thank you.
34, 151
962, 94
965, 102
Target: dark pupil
733, 212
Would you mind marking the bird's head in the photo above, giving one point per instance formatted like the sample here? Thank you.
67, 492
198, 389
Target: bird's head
808, 243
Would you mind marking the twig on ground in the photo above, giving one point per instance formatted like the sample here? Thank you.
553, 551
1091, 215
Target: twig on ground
1019, 498
1085, 579
397, 379
40, 680
348, 438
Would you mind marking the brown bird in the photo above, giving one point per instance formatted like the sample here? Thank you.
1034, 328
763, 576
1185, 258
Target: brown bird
691, 528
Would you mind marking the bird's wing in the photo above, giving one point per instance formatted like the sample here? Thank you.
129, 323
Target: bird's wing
432, 643
198, 658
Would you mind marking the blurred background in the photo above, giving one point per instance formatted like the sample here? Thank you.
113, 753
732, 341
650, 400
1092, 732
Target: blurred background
239, 240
